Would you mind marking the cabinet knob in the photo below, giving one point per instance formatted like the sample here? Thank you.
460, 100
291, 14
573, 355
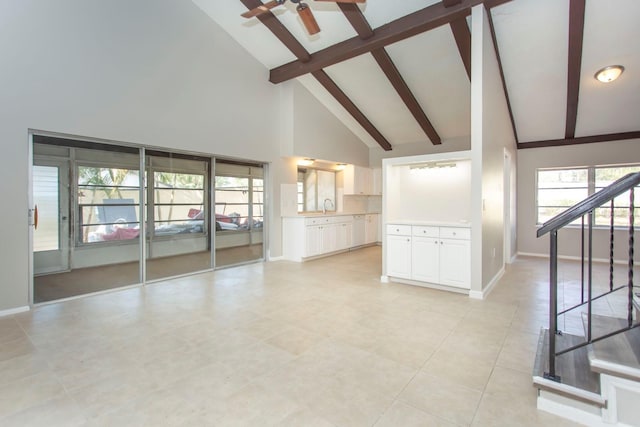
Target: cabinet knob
441, 243
454, 233
408, 240
397, 230
435, 241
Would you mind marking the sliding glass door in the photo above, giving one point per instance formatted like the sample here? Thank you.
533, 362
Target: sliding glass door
96, 202
178, 217
239, 212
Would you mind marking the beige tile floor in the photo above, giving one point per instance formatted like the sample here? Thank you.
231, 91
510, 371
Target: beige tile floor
322, 343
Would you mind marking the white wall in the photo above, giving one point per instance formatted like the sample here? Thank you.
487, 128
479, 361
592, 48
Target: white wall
153, 72
318, 134
419, 194
491, 133
604, 153
452, 145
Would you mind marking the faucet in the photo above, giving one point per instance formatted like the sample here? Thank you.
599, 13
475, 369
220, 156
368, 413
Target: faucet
324, 205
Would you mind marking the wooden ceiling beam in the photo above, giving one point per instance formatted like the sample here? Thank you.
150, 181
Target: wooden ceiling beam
357, 20
283, 34
389, 68
280, 31
576, 32
402, 28
580, 140
348, 105
462, 35
362, 27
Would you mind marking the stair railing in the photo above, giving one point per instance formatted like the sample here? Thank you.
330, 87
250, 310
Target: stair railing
582, 210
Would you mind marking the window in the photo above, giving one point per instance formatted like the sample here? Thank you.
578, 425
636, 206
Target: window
178, 200
239, 195
47, 197
107, 204
316, 190
559, 189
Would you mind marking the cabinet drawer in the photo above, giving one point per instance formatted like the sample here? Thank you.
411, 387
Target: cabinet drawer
455, 233
399, 230
316, 220
419, 230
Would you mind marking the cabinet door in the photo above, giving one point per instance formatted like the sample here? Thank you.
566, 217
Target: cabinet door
357, 180
455, 263
425, 259
343, 236
359, 230
371, 229
313, 240
399, 256
328, 237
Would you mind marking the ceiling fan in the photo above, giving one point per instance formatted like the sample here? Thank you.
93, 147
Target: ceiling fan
303, 9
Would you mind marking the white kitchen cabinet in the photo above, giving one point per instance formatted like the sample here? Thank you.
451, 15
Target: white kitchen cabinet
357, 180
359, 230
313, 240
371, 228
425, 253
429, 254
455, 262
316, 236
343, 235
399, 251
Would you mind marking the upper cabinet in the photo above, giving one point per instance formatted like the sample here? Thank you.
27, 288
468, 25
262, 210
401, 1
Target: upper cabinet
361, 181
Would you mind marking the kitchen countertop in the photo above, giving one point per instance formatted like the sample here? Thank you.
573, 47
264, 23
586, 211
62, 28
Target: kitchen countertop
320, 214
462, 224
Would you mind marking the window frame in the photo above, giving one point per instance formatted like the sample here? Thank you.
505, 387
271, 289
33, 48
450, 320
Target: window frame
592, 188
250, 217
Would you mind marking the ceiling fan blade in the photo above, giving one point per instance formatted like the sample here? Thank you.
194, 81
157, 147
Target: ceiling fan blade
345, 1
308, 19
261, 9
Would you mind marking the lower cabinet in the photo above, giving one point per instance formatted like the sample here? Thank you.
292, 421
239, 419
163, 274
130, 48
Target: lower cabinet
399, 256
371, 229
438, 255
306, 237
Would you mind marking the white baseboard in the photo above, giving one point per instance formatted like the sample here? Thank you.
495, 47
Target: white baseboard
487, 289
574, 258
384, 279
276, 258
16, 310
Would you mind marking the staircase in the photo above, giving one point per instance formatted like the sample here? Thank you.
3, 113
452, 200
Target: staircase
593, 376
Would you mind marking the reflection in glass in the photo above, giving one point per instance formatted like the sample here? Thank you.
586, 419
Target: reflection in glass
239, 213
177, 205
99, 221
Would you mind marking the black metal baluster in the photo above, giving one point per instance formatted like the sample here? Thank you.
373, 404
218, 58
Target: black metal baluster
582, 261
611, 247
553, 304
590, 273
631, 243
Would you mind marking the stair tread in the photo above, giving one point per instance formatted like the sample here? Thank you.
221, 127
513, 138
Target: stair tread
616, 355
576, 377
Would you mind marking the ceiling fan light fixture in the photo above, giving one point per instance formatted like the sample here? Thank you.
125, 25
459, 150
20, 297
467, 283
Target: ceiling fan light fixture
609, 73
309, 21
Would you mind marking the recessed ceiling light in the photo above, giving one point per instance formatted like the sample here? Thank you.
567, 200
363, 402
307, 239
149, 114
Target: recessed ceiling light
609, 74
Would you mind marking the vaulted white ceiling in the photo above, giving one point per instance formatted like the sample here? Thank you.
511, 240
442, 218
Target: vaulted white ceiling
533, 45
